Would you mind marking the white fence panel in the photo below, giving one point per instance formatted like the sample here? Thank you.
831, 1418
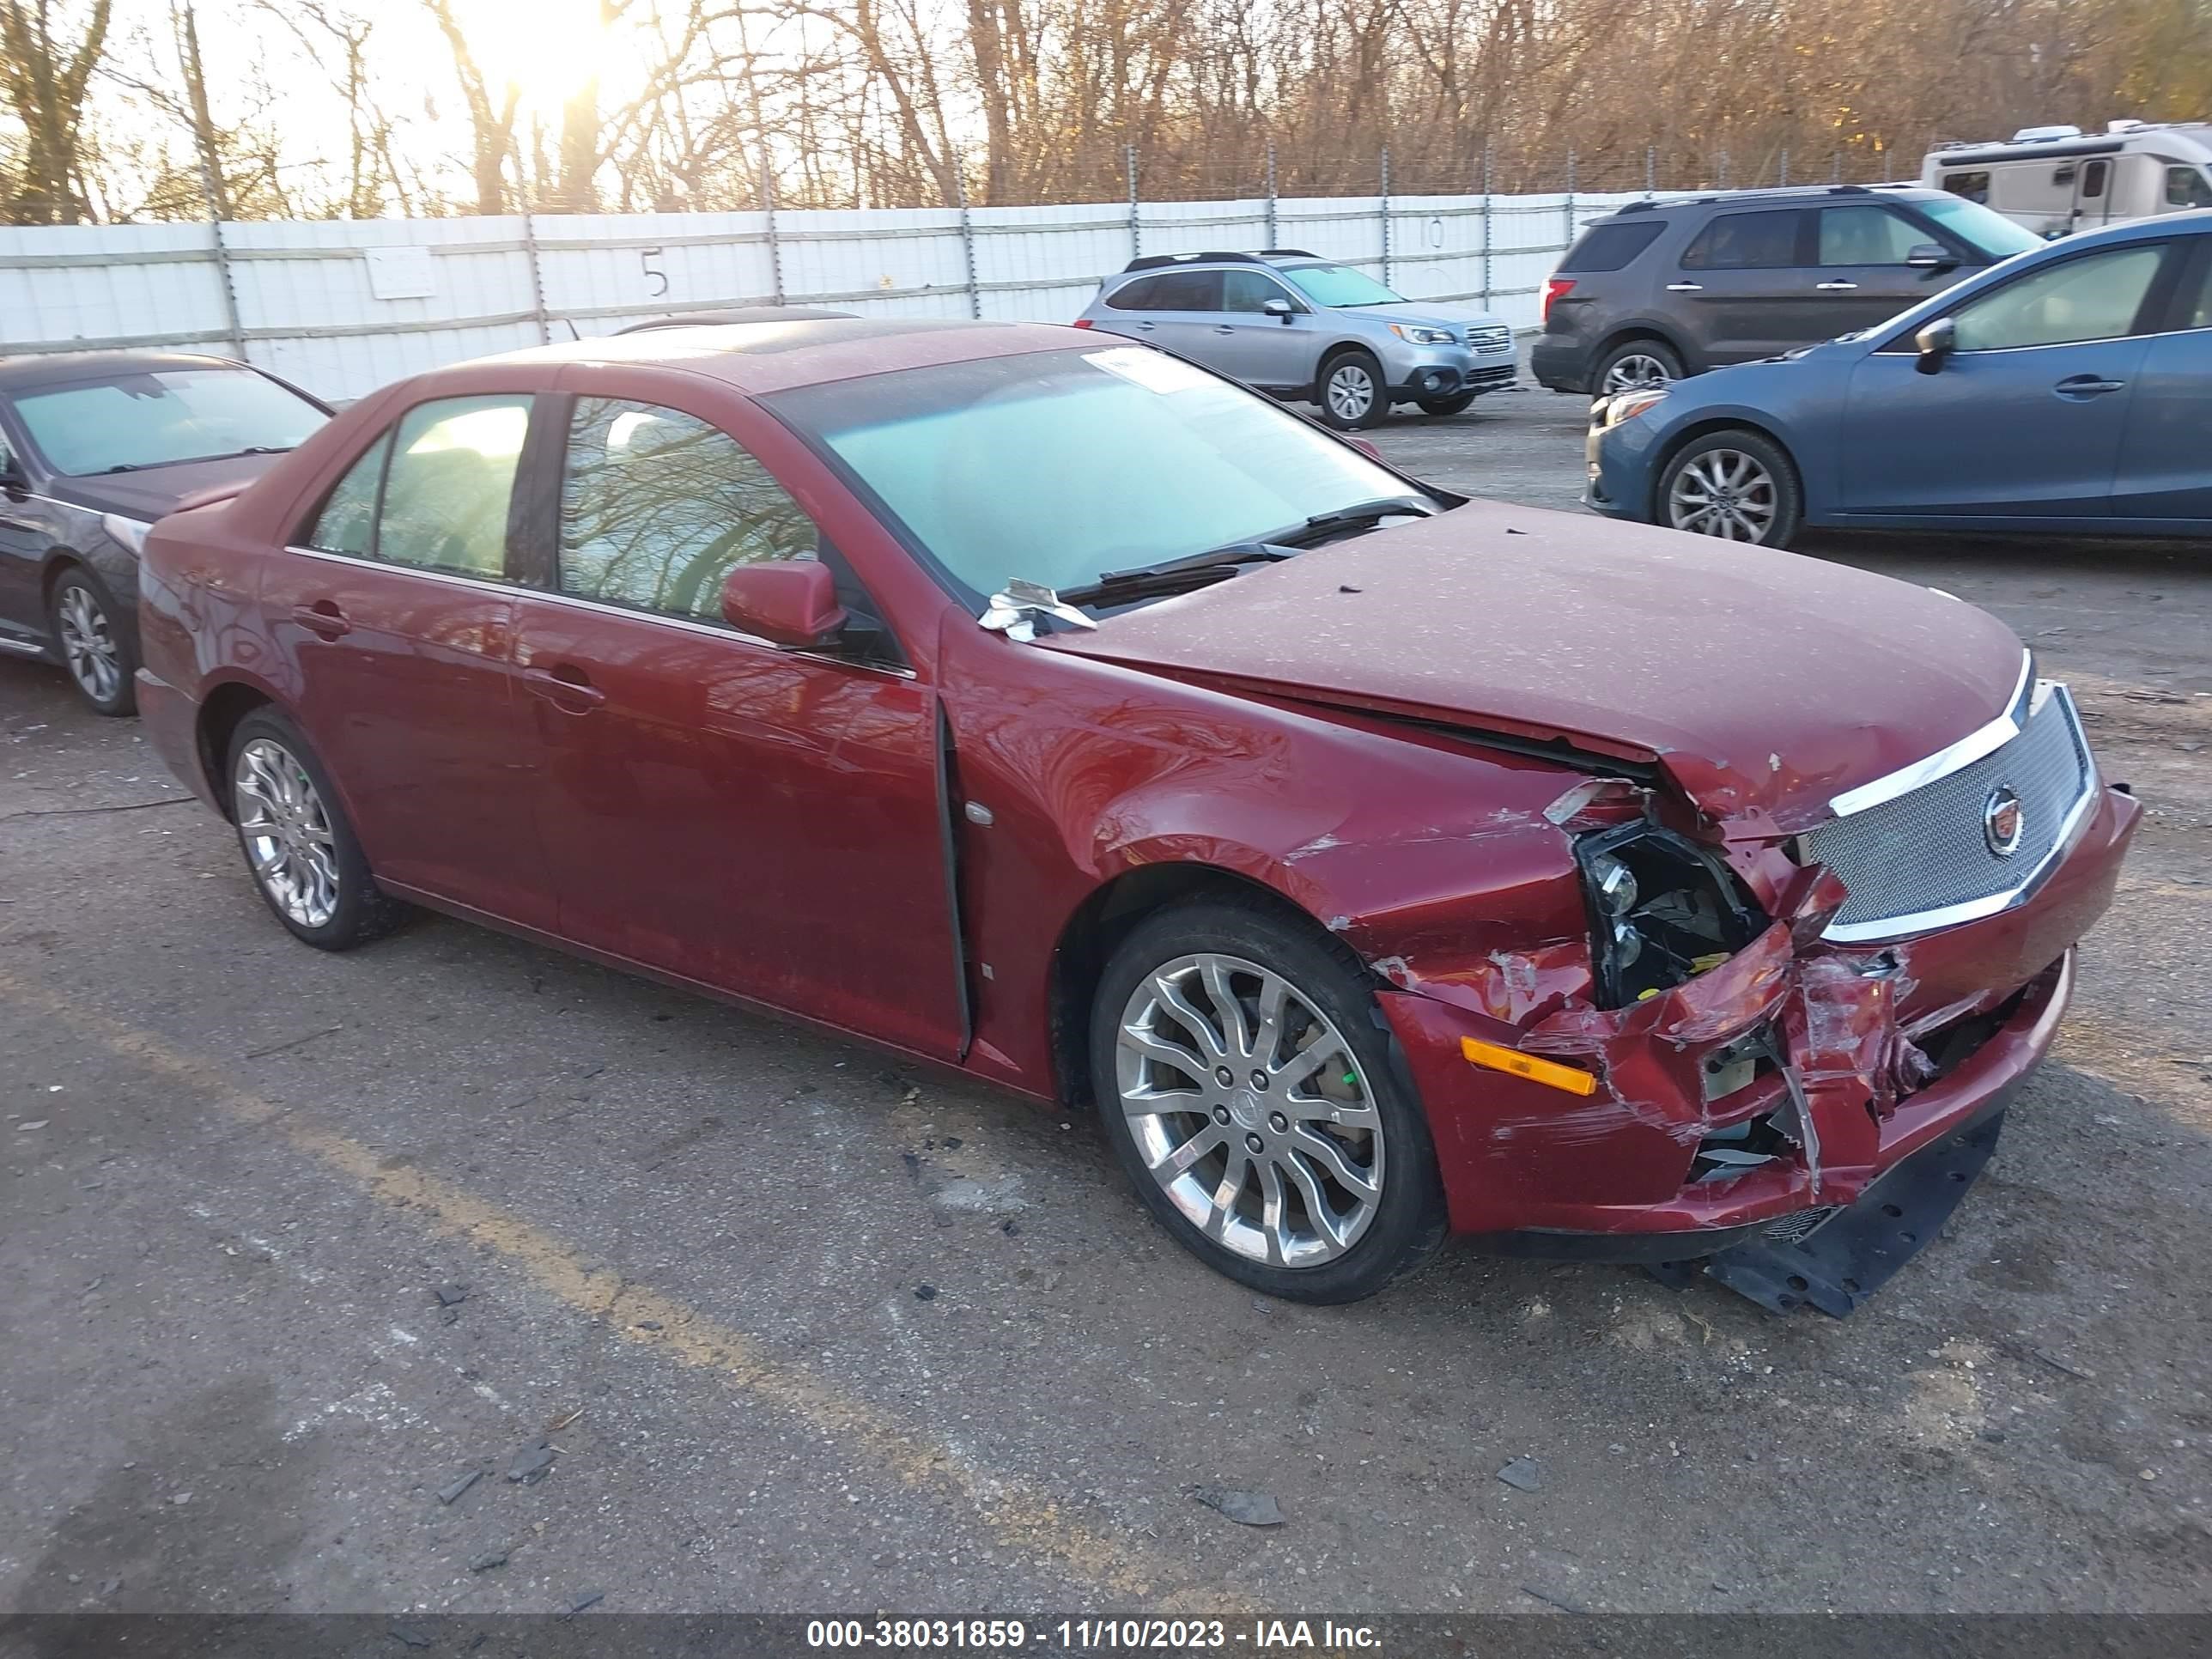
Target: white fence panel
342, 307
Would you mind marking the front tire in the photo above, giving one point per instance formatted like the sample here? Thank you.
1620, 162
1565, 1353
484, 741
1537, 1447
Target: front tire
1248, 1087
89, 634
1440, 407
1351, 392
300, 849
1736, 484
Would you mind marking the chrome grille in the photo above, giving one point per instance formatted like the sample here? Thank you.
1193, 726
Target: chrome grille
1924, 860
1495, 336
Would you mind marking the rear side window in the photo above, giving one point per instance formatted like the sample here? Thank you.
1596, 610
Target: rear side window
2096, 297
658, 507
450, 480
1610, 248
1745, 242
1188, 291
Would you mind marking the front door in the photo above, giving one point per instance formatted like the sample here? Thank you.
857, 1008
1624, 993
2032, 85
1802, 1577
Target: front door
1261, 350
2166, 455
1863, 279
766, 821
396, 618
2024, 419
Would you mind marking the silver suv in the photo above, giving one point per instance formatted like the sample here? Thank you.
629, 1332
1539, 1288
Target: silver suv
1298, 326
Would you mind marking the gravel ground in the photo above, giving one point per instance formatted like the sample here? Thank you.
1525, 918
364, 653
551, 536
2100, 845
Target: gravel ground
294, 1243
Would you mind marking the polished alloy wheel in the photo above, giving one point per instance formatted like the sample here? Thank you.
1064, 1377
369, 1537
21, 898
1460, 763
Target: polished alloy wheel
1634, 372
287, 833
87, 643
1723, 493
1351, 391
1250, 1110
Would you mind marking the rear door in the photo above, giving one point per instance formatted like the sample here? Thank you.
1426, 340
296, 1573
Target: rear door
1744, 288
767, 821
395, 613
2166, 451
2024, 420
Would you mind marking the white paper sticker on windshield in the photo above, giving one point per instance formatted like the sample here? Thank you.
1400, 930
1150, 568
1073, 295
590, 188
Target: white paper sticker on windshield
1155, 371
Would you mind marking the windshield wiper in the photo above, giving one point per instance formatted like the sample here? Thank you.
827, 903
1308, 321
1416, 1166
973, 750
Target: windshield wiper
1176, 575
1363, 515
194, 460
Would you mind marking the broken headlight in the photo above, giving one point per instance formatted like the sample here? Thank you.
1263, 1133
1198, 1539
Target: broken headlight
1662, 910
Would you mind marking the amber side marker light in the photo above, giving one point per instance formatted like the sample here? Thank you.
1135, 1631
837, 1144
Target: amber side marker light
1536, 1071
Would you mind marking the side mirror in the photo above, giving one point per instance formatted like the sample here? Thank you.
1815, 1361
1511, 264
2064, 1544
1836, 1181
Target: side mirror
785, 601
1937, 342
1930, 256
12, 481
1282, 308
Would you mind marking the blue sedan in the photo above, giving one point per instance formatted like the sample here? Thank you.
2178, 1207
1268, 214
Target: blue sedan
2067, 390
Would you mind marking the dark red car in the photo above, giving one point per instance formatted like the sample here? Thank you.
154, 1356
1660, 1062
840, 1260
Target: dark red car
1379, 862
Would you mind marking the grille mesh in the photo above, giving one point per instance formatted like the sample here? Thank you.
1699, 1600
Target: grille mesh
1495, 337
1926, 849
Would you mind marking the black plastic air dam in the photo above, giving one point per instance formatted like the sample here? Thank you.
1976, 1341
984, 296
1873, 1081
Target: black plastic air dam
1853, 1252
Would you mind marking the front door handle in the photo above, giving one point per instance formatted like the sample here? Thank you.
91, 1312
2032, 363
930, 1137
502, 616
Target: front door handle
1147, 327
1224, 328
1836, 287
1686, 288
2087, 385
323, 618
567, 688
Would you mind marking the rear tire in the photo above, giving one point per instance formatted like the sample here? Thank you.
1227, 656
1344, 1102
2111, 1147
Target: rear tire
1736, 484
1316, 1140
1441, 407
1634, 364
300, 850
94, 642
1350, 390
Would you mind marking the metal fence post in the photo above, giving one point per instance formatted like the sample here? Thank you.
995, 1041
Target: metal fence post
1485, 223
1385, 216
1836, 167
1271, 194
537, 272
1136, 218
236, 325
967, 245
1650, 170
1570, 208
1724, 170
1785, 179
774, 246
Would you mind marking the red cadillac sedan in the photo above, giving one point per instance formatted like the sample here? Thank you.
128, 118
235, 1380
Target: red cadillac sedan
1377, 862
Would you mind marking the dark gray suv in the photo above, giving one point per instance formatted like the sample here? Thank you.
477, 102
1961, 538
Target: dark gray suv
1662, 289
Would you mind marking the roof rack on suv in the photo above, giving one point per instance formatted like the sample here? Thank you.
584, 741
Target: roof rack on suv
1154, 261
1288, 254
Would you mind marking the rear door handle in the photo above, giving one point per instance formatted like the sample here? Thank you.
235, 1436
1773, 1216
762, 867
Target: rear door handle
1147, 327
1686, 288
1836, 288
322, 618
2086, 386
1224, 328
566, 688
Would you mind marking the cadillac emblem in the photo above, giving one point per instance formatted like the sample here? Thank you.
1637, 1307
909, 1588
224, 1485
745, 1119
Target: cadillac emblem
2004, 820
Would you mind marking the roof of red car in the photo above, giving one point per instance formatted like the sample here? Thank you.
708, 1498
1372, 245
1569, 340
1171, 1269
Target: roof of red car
761, 357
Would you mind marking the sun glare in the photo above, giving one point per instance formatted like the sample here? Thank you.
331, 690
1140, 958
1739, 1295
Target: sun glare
548, 48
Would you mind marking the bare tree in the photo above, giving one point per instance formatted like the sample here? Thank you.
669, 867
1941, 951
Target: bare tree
43, 79
491, 115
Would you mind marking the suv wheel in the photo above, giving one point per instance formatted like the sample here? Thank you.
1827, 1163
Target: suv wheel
1352, 394
1635, 364
1734, 485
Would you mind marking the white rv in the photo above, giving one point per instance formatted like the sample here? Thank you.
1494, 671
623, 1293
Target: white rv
2055, 179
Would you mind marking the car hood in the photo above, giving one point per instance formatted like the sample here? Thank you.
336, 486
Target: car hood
1414, 310
158, 490
1762, 683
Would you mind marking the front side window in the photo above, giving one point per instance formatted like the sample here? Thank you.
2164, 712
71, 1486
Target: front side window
658, 507
1745, 242
347, 523
1866, 236
1249, 291
125, 422
1972, 186
2185, 187
1338, 286
2093, 298
449, 483
1021, 466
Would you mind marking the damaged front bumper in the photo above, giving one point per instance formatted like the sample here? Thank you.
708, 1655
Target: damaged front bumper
1764, 1096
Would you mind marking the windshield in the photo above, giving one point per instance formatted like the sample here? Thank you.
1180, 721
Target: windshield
1340, 285
1060, 466
1980, 226
171, 415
